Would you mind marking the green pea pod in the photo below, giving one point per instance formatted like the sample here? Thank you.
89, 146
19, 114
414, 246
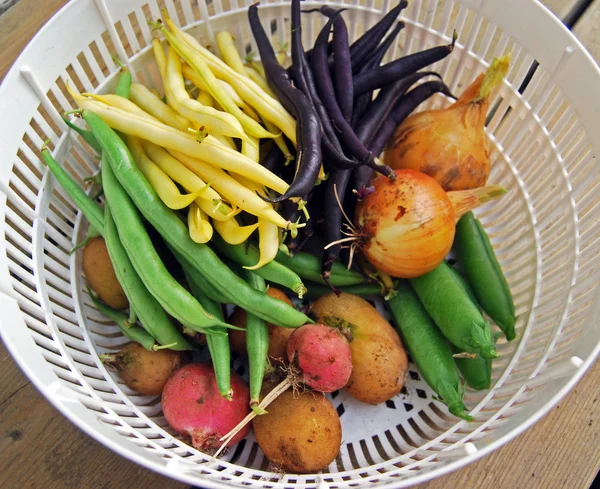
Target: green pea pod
308, 267
151, 314
130, 331
218, 345
257, 342
477, 372
124, 84
248, 255
363, 290
478, 260
86, 135
428, 348
92, 211
176, 233
451, 308
177, 301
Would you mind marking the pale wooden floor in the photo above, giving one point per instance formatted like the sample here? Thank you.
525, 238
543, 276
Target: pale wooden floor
41, 449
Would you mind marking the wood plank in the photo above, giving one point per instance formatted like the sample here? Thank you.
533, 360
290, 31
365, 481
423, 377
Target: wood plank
41, 448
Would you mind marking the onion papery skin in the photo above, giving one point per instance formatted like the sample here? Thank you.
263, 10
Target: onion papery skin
407, 225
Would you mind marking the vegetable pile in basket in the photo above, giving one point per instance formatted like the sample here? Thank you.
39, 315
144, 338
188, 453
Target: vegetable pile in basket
237, 181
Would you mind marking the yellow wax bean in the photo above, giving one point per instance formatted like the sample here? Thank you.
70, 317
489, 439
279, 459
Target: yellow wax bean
209, 150
197, 80
233, 191
205, 99
260, 80
211, 119
195, 61
249, 184
200, 229
229, 52
160, 57
268, 243
251, 149
232, 232
122, 103
166, 190
233, 59
267, 106
153, 105
209, 200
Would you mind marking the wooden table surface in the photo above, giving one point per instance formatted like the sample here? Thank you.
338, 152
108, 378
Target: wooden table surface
39, 448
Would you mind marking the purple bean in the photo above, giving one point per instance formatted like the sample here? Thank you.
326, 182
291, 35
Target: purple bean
397, 69
364, 46
326, 91
342, 69
308, 128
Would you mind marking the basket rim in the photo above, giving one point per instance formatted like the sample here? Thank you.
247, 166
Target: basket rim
140, 458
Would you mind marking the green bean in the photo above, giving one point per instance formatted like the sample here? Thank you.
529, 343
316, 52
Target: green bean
177, 301
257, 342
85, 134
428, 348
452, 310
124, 84
364, 290
477, 258
130, 331
151, 314
203, 285
218, 345
92, 211
308, 267
247, 255
200, 256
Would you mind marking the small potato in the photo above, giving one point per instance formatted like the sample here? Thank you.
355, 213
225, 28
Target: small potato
379, 361
144, 371
300, 433
98, 270
278, 336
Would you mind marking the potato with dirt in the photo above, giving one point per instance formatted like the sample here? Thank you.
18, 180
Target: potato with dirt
379, 360
301, 432
278, 335
99, 272
144, 371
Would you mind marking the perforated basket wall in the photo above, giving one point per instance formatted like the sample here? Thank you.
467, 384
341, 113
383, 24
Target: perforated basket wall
546, 233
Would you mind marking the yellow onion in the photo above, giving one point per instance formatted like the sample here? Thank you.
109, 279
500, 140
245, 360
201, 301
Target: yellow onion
405, 228
450, 144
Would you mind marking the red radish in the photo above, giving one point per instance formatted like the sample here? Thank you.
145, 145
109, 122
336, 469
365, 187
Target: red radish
194, 407
322, 356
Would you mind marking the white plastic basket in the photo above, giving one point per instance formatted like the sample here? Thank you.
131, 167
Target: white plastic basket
546, 233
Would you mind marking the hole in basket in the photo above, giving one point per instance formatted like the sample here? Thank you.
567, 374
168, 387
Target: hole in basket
87, 69
352, 455
124, 40
102, 64
443, 414
419, 430
74, 80
406, 437
366, 453
430, 423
